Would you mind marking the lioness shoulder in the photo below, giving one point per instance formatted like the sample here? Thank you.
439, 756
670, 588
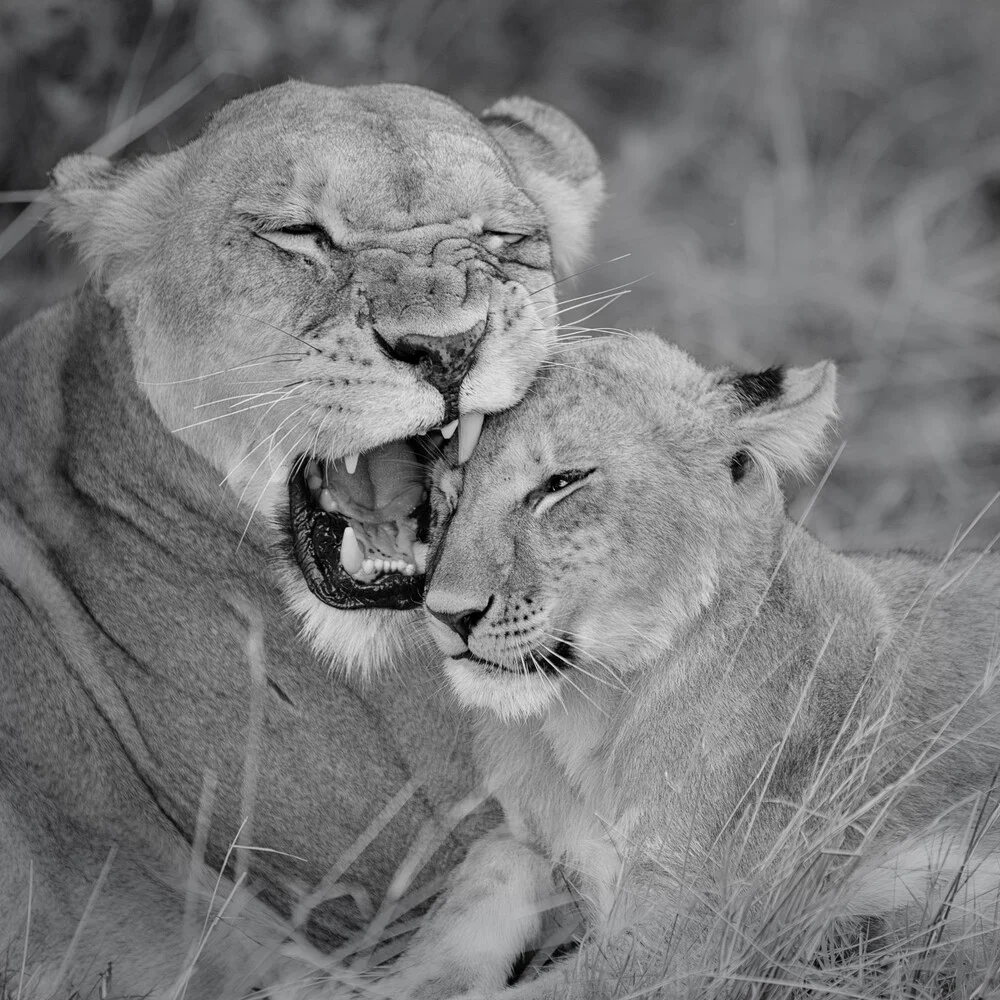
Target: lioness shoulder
213, 522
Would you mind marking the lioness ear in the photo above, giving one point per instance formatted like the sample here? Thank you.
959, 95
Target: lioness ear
112, 212
783, 413
558, 166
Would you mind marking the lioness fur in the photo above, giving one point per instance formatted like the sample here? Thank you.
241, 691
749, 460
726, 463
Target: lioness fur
690, 709
158, 691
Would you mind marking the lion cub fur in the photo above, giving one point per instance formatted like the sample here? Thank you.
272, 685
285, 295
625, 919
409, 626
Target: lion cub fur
691, 710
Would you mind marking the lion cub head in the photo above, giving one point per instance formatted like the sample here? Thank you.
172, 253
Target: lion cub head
607, 511
320, 289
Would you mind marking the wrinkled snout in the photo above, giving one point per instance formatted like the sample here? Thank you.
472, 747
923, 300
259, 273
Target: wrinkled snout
431, 315
443, 361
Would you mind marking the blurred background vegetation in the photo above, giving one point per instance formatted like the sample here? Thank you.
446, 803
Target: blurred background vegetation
791, 179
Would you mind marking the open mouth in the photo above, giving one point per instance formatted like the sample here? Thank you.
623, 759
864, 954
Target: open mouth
359, 524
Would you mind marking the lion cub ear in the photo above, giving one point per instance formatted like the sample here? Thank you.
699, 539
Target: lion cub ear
783, 414
558, 166
114, 213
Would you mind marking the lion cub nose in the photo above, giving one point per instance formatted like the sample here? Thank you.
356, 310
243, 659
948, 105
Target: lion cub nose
460, 619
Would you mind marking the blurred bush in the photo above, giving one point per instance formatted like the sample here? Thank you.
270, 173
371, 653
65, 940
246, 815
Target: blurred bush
791, 178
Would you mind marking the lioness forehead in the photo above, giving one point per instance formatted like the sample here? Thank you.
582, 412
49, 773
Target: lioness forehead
389, 156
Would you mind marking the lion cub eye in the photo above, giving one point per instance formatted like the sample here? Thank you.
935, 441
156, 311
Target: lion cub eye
559, 482
558, 487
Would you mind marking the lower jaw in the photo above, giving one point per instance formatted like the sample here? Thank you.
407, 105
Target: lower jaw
316, 539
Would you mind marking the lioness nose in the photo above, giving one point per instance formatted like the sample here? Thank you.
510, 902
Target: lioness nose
442, 361
460, 622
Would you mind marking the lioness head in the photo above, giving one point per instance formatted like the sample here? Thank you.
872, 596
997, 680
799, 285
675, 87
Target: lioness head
607, 511
324, 287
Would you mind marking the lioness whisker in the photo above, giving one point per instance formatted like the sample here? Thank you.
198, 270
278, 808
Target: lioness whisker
247, 397
231, 413
270, 479
576, 274
603, 301
623, 287
575, 332
268, 438
564, 321
595, 312
262, 359
277, 329
260, 419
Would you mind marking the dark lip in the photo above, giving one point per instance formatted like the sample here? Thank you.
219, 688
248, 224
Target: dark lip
316, 537
557, 662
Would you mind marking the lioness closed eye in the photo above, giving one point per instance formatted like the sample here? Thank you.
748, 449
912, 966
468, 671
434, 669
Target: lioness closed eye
722, 734
216, 446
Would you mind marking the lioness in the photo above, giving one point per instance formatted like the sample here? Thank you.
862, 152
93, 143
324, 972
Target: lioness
226, 424
690, 709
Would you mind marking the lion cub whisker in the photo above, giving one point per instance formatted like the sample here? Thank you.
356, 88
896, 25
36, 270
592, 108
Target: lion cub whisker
782, 758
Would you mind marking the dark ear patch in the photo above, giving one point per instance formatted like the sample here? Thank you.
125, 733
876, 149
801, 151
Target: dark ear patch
739, 464
756, 388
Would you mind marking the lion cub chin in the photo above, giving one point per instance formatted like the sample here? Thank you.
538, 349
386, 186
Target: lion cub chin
746, 754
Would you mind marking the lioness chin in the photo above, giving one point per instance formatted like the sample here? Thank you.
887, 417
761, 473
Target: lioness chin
218, 445
738, 747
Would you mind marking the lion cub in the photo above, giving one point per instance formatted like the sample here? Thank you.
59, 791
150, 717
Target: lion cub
729, 741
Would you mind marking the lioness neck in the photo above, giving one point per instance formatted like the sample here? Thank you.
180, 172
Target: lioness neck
142, 473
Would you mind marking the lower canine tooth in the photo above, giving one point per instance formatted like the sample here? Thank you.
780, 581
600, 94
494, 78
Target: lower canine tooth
314, 474
351, 556
448, 429
351, 463
470, 426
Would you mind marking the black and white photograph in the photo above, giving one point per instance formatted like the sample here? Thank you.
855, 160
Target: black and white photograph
500, 499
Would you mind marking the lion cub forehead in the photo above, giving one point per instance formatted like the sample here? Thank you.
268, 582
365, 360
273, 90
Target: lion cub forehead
621, 378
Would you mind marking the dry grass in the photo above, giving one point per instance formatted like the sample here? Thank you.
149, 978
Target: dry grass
793, 178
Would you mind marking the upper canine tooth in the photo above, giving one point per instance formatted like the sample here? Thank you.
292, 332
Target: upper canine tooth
351, 463
351, 556
420, 556
448, 429
470, 426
